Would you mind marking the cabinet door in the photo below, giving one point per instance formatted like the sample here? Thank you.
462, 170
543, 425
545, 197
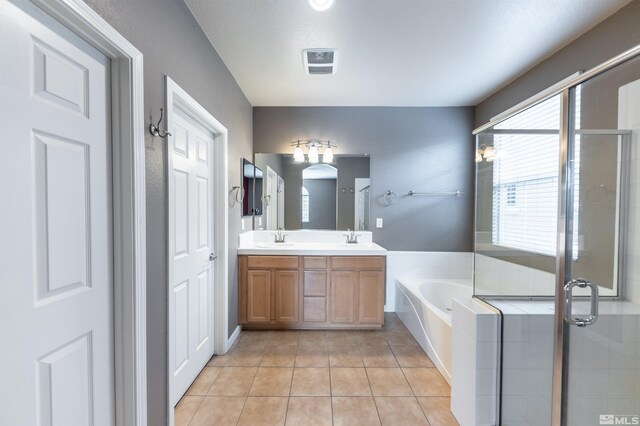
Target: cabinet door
370, 297
258, 296
286, 298
344, 285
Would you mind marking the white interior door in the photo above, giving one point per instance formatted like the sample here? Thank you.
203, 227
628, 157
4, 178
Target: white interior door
56, 314
270, 207
191, 242
280, 203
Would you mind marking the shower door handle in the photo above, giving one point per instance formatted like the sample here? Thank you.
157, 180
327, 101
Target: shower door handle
568, 298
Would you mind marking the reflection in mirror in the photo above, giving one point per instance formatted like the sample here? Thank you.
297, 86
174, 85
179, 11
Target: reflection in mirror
319, 183
313, 196
252, 185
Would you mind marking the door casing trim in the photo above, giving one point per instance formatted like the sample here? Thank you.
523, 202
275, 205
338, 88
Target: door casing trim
129, 215
176, 97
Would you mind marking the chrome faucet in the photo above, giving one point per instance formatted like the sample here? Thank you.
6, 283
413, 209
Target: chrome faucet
352, 237
279, 237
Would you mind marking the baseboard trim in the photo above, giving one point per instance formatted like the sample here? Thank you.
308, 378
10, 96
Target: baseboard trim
232, 339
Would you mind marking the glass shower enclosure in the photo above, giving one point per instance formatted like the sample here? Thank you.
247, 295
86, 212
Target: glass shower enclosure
557, 248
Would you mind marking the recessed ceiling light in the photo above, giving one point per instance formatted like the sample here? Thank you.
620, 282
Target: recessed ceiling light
321, 5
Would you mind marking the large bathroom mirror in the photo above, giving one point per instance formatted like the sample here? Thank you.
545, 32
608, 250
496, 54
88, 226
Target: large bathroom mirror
299, 195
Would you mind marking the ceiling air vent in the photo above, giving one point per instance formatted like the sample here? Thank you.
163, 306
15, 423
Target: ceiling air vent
320, 61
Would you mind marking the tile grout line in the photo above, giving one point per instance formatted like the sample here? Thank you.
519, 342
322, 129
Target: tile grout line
194, 413
293, 372
375, 403
246, 398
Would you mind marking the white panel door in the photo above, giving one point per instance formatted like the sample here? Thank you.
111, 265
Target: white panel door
56, 314
191, 241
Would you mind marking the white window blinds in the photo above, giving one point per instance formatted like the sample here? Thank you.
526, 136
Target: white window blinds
525, 180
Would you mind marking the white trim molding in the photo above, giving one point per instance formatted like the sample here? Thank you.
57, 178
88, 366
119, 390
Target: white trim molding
129, 216
232, 339
176, 97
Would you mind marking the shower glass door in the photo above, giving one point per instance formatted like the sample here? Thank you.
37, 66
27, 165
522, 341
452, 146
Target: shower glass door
601, 294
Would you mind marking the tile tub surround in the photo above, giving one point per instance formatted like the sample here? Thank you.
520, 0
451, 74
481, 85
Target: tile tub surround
424, 264
326, 377
475, 344
497, 277
308, 243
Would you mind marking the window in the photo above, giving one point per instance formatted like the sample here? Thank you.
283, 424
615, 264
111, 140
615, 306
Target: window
525, 180
305, 205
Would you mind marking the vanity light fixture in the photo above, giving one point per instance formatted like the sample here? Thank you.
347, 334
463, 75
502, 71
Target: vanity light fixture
327, 156
321, 5
298, 154
313, 154
313, 148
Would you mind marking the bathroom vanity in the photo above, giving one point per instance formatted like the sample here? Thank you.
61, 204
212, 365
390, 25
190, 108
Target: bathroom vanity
305, 284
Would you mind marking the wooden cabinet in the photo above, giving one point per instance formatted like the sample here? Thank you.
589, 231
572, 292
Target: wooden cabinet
370, 297
268, 290
315, 291
357, 290
344, 288
286, 297
258, 296
311, 291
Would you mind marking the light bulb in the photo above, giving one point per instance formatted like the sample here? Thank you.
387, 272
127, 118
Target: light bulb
321, 5
489, 154
327, 156
478, 157
313, 154
298, 155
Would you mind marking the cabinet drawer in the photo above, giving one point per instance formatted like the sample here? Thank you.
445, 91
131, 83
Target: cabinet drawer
315, 309
273, 262
351, 263
315, 283
315, 263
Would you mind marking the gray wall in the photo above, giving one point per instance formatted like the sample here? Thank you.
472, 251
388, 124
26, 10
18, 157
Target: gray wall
275, 161
614, 35
420, 149
322, 203
173, 44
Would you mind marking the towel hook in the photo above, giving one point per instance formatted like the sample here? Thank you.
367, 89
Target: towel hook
239, 196
154, 129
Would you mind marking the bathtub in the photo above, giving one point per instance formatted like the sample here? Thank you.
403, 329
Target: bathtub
424, 306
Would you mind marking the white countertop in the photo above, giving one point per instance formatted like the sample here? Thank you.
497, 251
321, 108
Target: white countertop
308, 243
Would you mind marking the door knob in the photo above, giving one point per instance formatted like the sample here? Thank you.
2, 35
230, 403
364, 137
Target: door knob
212, 257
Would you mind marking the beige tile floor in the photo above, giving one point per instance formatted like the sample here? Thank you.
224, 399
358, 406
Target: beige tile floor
310, 378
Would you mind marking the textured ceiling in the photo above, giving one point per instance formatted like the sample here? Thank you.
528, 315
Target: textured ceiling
392, 52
